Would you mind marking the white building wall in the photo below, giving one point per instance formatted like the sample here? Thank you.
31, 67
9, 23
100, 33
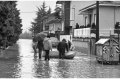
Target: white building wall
93, 18
75, 6
58, 25
62, 25
106, 20
117, 14
108, 16
54, 27
51, 27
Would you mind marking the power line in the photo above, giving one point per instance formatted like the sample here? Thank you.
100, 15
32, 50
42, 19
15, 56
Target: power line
27, 12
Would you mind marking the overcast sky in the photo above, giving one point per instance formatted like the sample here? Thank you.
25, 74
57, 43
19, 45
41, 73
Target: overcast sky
28, 11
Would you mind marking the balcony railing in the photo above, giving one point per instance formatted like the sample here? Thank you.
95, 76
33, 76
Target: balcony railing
88, 32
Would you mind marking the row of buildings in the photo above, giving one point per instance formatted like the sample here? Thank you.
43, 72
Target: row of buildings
83, 13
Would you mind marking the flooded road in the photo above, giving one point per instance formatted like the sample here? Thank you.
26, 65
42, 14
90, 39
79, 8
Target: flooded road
28, 66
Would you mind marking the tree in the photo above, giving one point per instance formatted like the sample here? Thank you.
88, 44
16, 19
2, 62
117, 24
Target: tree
49, 11
37, 25
58, 13
10, 23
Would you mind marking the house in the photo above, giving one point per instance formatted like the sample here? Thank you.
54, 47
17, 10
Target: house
109, 14
84, 13
75, 6
51, 24
71, 13
65, 5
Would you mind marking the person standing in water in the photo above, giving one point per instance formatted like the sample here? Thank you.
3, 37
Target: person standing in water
34, 45
47, 47
40, 47
62, 47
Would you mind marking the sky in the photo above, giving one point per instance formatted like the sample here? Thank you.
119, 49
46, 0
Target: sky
28, 11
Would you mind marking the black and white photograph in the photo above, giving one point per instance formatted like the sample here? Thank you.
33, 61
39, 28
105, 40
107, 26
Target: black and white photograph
59, 39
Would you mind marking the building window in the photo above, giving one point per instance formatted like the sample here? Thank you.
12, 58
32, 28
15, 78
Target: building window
73, 14
95, 19
90, 19
85, 21
46, 28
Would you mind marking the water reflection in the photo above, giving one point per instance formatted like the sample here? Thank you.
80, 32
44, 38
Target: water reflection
26, 58
42, 69
62, 68
54, 69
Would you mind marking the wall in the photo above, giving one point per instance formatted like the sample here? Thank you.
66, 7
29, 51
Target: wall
117, 14
78, 5
108, 16
94, 12
45, 21
106, 20
58, 25
51, 28
54, 27
82, 32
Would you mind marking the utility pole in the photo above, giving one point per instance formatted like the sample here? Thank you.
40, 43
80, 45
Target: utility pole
97, 20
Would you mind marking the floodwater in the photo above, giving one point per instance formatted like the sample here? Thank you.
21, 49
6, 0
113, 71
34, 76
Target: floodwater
28, 66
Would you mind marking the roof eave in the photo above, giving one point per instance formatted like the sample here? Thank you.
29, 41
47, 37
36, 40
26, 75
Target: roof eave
54, 21
94, 6
59, 2
45, 17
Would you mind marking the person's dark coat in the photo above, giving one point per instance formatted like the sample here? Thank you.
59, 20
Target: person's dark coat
40, 45
62, 46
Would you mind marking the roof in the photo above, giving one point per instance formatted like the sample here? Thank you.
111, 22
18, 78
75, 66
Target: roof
59, 2
45, 17
54, 21
102, 41
62, 1
52, 14
102, 3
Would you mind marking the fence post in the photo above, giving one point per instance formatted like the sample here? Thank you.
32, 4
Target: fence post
92, 46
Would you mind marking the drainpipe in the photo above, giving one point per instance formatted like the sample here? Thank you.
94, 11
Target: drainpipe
97, 21
74, 21
114, 15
